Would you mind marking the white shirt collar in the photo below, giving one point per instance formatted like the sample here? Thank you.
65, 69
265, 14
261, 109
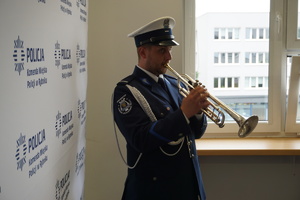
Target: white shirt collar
153, 76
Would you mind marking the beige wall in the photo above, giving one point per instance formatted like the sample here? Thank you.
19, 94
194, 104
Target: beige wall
111, 56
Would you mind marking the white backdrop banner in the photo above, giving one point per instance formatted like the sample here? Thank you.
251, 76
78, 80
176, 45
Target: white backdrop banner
43, 83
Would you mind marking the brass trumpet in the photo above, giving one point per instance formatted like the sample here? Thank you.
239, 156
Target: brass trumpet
214, 111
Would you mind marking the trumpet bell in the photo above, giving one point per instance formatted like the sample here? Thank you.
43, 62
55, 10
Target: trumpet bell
247, 126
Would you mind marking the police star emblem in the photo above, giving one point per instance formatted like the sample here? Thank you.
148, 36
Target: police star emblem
19, 55
57, 54
124, 105
167, 23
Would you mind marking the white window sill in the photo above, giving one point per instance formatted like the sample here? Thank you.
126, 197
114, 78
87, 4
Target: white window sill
248, 146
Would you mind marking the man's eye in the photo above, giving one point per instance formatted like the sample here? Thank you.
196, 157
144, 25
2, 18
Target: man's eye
162, 50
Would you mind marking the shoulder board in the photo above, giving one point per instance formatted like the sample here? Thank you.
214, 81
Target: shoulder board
170, 77
126, 80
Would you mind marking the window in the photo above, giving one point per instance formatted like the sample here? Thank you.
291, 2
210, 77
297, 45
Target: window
223, 58
226, 82
256, 81
226, 33
257, 57
257, 33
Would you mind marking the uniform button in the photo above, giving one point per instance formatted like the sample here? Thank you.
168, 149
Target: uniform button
168, 108
161, 114
154, 178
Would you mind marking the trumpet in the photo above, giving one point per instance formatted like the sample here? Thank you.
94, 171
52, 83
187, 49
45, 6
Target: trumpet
213, 111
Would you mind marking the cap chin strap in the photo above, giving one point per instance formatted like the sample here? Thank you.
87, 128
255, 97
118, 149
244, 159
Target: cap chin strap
157, 39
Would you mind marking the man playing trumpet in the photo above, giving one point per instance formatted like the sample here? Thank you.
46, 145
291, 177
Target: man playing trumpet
160, 125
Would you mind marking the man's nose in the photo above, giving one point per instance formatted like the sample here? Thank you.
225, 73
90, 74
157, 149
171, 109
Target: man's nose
169, 55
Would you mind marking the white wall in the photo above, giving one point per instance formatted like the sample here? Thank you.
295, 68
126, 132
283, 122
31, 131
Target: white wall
112, 56
43, 84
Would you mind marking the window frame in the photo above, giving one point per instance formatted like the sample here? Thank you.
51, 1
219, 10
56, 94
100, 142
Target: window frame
275, 125
293, 43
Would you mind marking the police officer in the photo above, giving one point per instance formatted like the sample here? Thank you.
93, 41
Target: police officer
160, 125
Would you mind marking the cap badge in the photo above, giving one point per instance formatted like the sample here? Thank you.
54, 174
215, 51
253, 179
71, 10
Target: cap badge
167, 23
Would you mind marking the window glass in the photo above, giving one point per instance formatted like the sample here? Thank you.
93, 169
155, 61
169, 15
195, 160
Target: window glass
254, 33
261, 33
260, 57
222, 57
222, 82
230, 33
236, 82
238, 40
236, 33
229, 57
289, 65
216, 82
247, 57
229, 84
216, 33
236, 57
248, 33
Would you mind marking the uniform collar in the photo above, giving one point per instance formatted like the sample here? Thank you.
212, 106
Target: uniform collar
148, 79
153, 76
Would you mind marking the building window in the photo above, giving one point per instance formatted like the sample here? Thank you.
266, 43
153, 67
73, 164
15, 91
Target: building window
226, 33
256, 82
226, 58
257, 33
226, 82
257, 57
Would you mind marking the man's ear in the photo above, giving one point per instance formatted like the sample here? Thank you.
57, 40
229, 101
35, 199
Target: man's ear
142, 51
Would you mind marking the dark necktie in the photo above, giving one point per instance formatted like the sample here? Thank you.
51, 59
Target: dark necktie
162, 83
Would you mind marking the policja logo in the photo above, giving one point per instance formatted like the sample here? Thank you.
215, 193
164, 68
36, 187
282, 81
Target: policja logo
21, 152
31, 55
19, 55
36, 74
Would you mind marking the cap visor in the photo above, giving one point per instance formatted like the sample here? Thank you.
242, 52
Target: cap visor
168, 43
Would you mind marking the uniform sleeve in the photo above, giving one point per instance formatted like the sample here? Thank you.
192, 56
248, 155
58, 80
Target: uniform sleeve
198, 126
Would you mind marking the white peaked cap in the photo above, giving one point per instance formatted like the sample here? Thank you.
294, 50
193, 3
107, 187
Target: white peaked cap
157, 32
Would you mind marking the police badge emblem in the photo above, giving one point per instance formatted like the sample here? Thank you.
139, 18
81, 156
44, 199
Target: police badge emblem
124, 105
166, 23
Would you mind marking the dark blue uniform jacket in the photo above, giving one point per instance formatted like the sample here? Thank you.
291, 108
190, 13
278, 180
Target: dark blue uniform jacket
162, 172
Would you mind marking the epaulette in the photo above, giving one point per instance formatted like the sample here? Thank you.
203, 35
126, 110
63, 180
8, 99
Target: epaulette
171, 77
126, 80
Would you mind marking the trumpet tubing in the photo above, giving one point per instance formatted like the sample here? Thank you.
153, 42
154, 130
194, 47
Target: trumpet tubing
214, 112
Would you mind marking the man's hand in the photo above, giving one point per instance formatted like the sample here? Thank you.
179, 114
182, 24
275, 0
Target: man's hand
195, 101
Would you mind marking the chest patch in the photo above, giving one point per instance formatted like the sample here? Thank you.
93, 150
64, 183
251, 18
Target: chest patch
124, 105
